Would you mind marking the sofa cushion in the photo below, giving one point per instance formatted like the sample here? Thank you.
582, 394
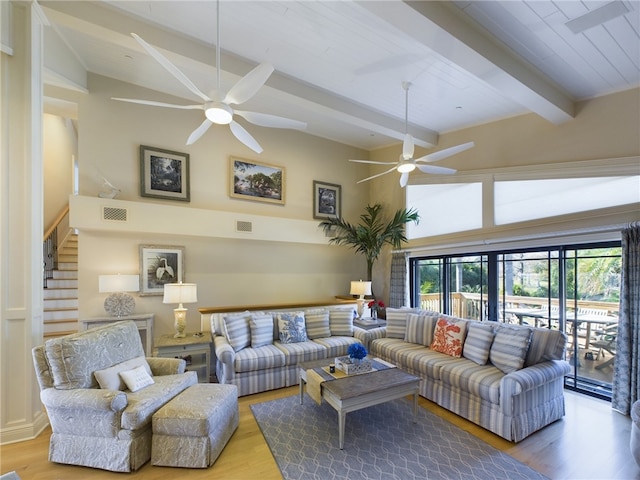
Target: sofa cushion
261, 326
109, 378
261, 358
448, 337
317, 322
237, 329
336, 346
137, 378
292, 328
295, 353
341, 322
510, 347
420, 329
74, 358
478, 342
141, 405
478, 380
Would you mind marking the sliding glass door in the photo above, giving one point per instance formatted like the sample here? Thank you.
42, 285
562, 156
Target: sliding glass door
571, 288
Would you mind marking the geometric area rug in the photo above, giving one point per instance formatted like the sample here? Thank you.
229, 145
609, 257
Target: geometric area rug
381, 442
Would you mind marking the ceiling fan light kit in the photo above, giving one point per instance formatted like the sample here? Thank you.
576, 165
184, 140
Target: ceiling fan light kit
406, 163
218, 111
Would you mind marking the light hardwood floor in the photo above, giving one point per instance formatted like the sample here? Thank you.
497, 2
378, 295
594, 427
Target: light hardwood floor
591, 442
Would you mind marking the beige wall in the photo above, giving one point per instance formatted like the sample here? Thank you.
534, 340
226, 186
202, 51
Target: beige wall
228, 271
58, 163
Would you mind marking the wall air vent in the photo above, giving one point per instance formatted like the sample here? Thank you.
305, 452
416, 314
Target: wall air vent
246, 227
114, 214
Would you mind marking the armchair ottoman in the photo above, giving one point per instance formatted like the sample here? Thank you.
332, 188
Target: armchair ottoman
192, 429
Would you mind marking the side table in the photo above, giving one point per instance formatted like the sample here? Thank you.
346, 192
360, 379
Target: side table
369, 323
144, 322
196, 350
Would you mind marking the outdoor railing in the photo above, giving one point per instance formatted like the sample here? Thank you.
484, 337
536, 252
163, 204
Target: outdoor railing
469, 305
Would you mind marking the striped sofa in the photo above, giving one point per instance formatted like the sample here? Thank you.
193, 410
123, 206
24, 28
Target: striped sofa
251, 354
506, 378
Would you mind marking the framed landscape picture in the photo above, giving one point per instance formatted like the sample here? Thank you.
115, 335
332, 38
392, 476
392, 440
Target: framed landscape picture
160, 265
251, 180
164, 174
327, 200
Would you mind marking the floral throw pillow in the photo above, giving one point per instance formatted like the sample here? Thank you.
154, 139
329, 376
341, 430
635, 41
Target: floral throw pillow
292, 327
448, 337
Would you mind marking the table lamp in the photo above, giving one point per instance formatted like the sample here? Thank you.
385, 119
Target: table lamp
361, 289
180, 293
119, 304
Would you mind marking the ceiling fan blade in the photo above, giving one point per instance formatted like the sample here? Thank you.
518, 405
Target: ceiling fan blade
158, 104
373, 162
249, 85
407, 147
404, 178
447, 152
171, 68
198, 132
245, 137
377, 175
272, 121
436, 169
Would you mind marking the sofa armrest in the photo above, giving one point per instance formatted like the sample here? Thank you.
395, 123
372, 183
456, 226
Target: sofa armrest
84, 399
532, 377
225, 356
373, 334
166, 366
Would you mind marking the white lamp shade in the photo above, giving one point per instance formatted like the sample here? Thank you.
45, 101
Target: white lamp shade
360, 288
180, 293
118, 283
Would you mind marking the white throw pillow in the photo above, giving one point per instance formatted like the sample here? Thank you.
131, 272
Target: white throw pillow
137, 378
109, 378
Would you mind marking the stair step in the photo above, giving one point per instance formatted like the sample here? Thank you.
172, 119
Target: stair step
68, 266
50, 293
51, 335
62, 283
67, 258
65, 274
68, 314
60, 303
62, 326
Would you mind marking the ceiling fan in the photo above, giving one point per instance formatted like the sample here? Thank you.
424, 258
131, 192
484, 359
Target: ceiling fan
217, 105
406, 163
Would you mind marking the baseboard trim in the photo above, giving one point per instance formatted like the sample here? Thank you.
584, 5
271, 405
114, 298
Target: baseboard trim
25, 432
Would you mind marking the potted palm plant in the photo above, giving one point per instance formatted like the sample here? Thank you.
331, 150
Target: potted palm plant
372, 233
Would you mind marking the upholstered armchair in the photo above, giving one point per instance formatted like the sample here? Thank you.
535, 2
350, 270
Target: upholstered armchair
100, 414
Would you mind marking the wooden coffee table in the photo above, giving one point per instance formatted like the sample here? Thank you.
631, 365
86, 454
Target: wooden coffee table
354, 392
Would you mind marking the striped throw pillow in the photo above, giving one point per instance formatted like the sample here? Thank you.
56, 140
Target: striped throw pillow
237, 330
341, 322
509, 348
420, 329
317, 323
261, 330
477, 345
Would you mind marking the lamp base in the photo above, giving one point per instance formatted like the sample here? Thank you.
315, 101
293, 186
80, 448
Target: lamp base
119, 304
360, 302
180, 322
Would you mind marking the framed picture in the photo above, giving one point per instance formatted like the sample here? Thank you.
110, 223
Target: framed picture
259, 181
160, 265
164, 174
327, 200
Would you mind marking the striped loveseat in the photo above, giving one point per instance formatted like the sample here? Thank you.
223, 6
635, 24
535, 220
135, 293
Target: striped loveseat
506, 378
252, 353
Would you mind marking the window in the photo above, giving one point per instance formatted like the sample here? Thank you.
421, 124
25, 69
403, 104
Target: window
574, 289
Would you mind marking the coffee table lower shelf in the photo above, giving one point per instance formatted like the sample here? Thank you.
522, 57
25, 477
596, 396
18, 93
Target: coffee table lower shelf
355, 392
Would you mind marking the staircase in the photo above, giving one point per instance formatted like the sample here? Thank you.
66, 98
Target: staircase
61, 294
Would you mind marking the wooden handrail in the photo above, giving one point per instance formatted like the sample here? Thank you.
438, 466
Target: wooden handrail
242, 308
56, 222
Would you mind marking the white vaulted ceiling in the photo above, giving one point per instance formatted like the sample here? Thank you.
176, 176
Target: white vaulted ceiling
340, 64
